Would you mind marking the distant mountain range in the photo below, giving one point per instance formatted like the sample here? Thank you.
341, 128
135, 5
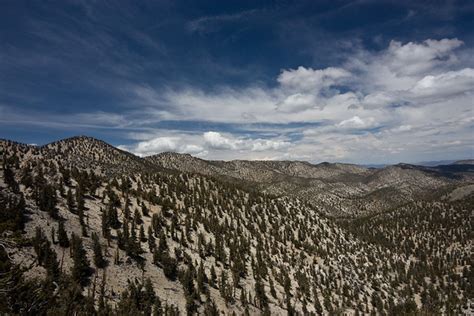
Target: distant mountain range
337, 189
433, 163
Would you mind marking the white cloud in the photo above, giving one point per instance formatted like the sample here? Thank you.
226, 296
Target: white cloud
417, 95
379, 99
445, 85
356, 122
162, 144
413, 59
377, 83
410, 101
223, 146
400, 66
297, 102
308, 79
216, 140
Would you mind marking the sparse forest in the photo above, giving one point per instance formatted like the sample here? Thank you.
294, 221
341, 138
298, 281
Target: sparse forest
90, 230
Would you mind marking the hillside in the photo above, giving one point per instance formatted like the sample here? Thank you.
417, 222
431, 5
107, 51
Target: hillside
88, 229
91, 154
336, 189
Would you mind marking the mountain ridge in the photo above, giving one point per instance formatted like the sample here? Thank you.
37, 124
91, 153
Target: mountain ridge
326, 183
89, 229
339, 189
177, 154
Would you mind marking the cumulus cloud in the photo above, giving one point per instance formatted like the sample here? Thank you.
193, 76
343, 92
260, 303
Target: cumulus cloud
162, 144
216, 140
297, 102
412, 59
408, 100
400, 66
308, 79
446, 84
200, 145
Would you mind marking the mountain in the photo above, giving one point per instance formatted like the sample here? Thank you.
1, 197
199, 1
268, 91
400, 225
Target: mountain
86, 228
464, 162
94, 155
434, 163
336, 189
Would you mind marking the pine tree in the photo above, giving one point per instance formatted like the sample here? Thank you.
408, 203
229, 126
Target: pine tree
80, 270
162, 244
137, 218
210, 309
47, 200
151, 240
70, 201
201, 278
12, 215
145, 210
224, 287
104, 308
189, 292
213, 279
80, 199
105, 224
45, 254
142, 234
149, 297
113, 217
9, 177
62, 235
260, 293
99, 260
169, 265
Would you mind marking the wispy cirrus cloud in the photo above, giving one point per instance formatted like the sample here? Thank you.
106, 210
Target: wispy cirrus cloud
210, 23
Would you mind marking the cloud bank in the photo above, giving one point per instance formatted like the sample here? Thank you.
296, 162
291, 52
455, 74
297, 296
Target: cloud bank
409, 100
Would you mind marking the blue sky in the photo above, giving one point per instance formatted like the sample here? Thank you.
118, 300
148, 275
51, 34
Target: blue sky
351, 81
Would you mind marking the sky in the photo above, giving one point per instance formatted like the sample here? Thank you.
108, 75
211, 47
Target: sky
342, 81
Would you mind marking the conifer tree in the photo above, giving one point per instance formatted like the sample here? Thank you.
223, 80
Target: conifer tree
62, 235
99, 260
213, 279
142, 234
80, 200
47, 200
70, 201
145, 210
189, 291
9, 177
149, 297
46, 256
151, 240
260, 293
80, 269
201, 278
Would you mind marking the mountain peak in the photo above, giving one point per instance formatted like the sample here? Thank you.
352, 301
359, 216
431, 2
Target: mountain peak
92, 153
